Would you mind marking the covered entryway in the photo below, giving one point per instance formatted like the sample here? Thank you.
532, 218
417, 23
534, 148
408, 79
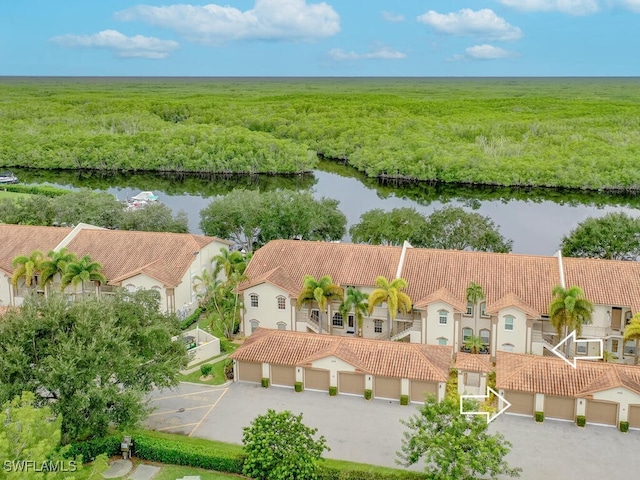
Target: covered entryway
249, 372
352, 383
384, 387
560, 408
521, 403
634, 416
316, 379
420, 390
283, 375
603, 413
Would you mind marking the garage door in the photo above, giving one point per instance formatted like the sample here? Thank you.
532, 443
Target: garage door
384, 387
316, 379
634, 416
604, 413
249, 372
283, 375
521, 403
419, 390
559, 407
351, 383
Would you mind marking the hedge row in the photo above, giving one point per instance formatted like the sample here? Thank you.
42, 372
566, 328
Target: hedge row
191, 319
36, 190
90, 449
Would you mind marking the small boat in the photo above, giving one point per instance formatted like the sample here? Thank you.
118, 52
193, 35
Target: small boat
7, 178
141, 200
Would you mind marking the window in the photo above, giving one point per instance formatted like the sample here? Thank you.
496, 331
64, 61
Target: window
254, 300
581, 348
442, 317
483, 310
469, 311
254, 324
614, 346
442, 341
627, 318
467, 333
507, 347
337, 320
485, 335
630, 348
281, 302
377, 326
282, 326
314, 315
508, 322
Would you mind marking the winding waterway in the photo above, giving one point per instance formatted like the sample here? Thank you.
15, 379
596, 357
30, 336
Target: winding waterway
536, 220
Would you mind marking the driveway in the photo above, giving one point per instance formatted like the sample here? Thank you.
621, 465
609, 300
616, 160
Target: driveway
371, 432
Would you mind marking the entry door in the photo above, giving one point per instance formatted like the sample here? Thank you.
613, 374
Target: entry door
616, 318
351, 324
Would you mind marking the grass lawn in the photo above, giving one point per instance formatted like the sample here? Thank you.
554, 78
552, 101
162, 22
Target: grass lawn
12, 195
171, 472
218, 375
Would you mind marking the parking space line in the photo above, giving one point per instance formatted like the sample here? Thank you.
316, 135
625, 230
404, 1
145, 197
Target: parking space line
175, 426
179, 411
188, 394
208, 412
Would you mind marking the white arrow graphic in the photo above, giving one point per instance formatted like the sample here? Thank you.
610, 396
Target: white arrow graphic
490, 418
572, 336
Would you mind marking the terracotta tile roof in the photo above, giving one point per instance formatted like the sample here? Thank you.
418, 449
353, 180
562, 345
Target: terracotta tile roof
346, 264
380, 358
529, 277
277, 276
444, 295
23, 239
512, 300
469, 362
605, 282
552, 376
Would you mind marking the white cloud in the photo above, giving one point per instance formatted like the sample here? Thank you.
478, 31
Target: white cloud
482, 23
487, 52
632, 5
382, 53
133, 47
572, 7
215, 24
392, 17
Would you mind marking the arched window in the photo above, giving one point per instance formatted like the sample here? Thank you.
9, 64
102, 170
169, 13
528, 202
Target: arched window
337, 320
442, 341
254, 300
467, 333
282, 302
508, 322
483, 310
485, 335
254, 324
469, 311
443, 316
282, 326
507, 347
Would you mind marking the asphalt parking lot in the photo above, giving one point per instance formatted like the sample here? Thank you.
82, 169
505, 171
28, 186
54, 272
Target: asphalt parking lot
371, 432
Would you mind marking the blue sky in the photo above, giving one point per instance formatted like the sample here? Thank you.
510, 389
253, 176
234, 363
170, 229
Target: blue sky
320, 38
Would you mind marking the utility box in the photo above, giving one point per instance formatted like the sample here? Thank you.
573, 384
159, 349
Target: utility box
126, 447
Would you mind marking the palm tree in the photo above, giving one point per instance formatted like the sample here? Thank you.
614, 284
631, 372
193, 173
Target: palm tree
475, 293
392, 294
81, 271
474, 344
56, 264
230, 261
356, 300
632, 332
569, 310
321, 292
27, 267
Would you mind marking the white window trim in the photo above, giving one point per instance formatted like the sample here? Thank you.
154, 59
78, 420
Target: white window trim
513, 323
284, 302
257, 298
440, 316
468, 313
334, 318
446, 341
375, 326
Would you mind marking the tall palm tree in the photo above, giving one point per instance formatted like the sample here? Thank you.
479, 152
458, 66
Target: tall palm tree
356, 300
474, 344
81, 271
230, 261
321, 292
569, 310
475, 293
632, 332
26, 267
56, 263
391, 293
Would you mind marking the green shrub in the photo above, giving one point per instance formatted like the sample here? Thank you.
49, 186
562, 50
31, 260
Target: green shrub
36, 190
624, 427
180, 450
540, 417
228, 369
265, 382
90, 449
326, 472
191, 319
367, 394
225, 345
581, 420
299, 387
206, 369
404, 399
333, 391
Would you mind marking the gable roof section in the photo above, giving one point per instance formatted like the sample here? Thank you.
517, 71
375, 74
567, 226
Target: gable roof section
278, 277
512, 300
469, 362
605, 282
442, 294
380, 358
346, 264
552, 376
23, 239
